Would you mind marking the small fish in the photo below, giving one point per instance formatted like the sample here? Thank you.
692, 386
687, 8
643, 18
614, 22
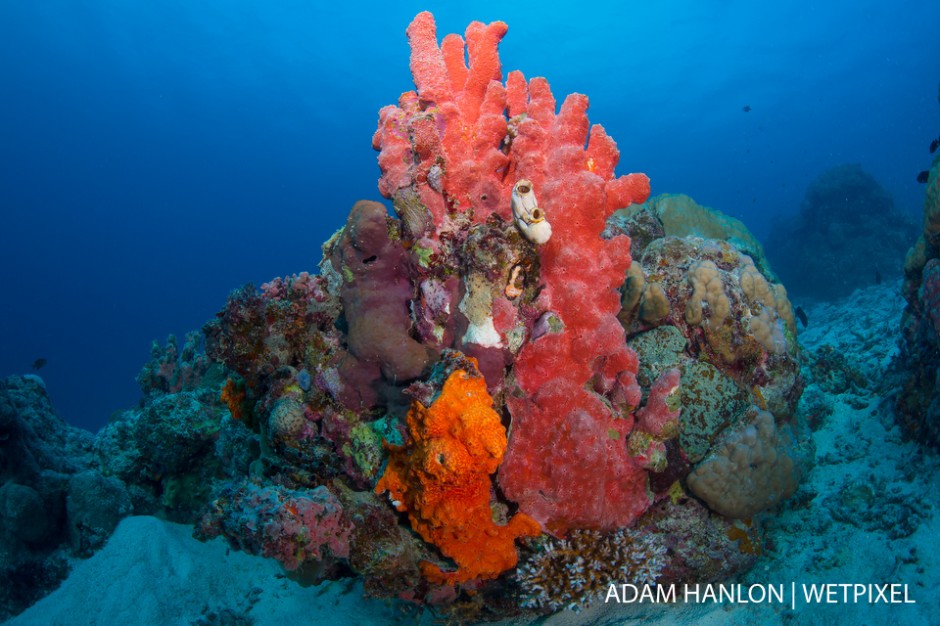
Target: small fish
801, 314
746, 108
934, 145
923, 176
38, 363
877, 277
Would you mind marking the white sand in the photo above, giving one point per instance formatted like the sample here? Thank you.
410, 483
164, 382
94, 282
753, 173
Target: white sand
153, 572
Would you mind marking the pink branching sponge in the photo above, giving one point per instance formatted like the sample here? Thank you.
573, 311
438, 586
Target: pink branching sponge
468, 146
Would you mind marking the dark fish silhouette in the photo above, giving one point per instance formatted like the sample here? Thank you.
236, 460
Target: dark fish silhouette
38, 363
923, 176
934, 145
801, 314
746, 108
877, 277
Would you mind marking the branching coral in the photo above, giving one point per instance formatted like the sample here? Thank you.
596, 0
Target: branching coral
573, 572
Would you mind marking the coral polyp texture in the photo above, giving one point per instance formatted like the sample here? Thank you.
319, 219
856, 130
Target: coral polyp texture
576, 571
523, 368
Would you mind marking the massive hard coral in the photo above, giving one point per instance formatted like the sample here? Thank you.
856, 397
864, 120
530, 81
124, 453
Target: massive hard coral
750, 469
730, 313
695, 301
441, 478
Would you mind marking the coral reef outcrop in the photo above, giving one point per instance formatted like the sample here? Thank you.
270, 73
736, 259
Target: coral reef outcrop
715, 315
524, 365
825, 250
918, 401
45, 516
525, 383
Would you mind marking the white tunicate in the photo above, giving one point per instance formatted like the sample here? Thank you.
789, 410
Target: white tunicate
529, 218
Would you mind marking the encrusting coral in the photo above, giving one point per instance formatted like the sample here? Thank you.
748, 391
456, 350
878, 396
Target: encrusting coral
294, 527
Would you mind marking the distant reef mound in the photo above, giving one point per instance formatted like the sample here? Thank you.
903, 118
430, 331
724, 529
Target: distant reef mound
848, 234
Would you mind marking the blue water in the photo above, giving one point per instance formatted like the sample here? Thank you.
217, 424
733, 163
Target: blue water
156, 155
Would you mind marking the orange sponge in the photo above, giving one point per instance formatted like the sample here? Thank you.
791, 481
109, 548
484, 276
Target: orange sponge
442, 479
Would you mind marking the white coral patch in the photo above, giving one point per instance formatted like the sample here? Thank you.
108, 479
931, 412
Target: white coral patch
483, 334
